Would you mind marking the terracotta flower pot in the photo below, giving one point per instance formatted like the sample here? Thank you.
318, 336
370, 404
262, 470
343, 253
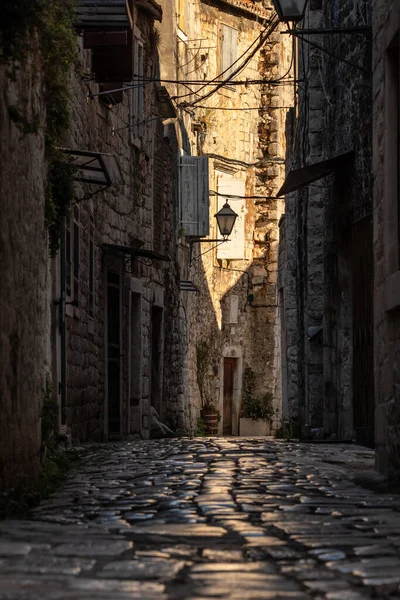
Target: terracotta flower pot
210, 418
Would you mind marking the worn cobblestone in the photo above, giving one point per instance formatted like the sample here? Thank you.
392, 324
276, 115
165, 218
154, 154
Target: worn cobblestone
195, 519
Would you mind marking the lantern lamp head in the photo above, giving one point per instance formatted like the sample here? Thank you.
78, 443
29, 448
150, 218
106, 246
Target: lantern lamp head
290, 10
226, 218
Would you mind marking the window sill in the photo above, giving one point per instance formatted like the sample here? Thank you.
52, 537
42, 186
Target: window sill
392, 292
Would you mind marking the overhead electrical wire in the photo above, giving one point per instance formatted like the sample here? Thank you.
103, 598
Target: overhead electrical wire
241, 108
279, 79
245, 82
262, 39
236, 197
217, 77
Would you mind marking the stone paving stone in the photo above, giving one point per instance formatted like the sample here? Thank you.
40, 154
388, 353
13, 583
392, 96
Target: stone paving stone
14, 548
93, 548
144, 569
196, 519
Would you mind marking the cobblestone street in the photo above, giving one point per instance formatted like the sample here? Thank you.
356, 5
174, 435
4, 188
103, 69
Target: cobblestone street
208, 518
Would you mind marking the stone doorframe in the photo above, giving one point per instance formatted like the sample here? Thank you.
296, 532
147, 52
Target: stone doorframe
235, 352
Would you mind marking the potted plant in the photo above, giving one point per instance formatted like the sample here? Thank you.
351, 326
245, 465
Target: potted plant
257, 411
210, 416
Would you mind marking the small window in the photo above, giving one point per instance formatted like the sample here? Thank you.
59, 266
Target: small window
91, 268
392, 117
158, 193
75, 262
138, 90
68, 258
194, 195
228, 50
235, 190
181, 14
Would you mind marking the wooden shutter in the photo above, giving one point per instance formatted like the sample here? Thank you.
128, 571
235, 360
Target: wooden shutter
229, 41
194, 195
234, 249
181, 14
137, 92
113, 63
107, 14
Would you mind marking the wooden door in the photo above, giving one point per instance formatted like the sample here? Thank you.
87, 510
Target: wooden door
363, 347
113, 353
229, 373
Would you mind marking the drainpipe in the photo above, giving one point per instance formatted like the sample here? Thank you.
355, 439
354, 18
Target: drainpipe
63, 338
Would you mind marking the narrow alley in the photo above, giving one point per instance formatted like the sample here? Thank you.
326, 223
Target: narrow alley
208, 518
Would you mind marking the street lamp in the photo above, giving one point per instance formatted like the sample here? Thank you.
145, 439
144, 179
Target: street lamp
290, 10
293, 10
226, 218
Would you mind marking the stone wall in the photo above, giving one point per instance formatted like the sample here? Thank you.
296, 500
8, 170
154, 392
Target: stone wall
319, 274
241, 129
139, 211
386, 23
24, 264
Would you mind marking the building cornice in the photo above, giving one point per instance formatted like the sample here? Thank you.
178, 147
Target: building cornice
248, 6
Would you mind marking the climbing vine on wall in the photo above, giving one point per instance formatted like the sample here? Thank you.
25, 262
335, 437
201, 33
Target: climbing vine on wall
48, 26
202, 363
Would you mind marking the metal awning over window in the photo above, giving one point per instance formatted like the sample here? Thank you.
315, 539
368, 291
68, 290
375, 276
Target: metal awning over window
188, 286
103, 14
94, 167
134, 252
152, 7
306, 175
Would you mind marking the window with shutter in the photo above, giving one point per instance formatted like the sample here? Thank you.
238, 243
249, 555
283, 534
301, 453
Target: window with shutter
138, 90
234, 249
91, 267
181, 14
76, 253
228, 50
107, 14
194, 195
158, 188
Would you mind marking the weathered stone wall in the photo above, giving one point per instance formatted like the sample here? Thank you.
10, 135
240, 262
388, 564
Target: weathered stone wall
386, 23
245, 143
142, 208
24, 264
334, 104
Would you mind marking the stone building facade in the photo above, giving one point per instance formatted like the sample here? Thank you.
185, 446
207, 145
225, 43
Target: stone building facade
386, 77
241, 130
24, 269
116, 284
325, 276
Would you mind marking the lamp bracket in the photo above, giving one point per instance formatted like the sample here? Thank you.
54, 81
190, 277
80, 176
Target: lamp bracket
362, 30
200, 240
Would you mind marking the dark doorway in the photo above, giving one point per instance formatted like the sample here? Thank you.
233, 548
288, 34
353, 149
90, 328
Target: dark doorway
363, 360
229, 374
156, 358
113, 353
136, 364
